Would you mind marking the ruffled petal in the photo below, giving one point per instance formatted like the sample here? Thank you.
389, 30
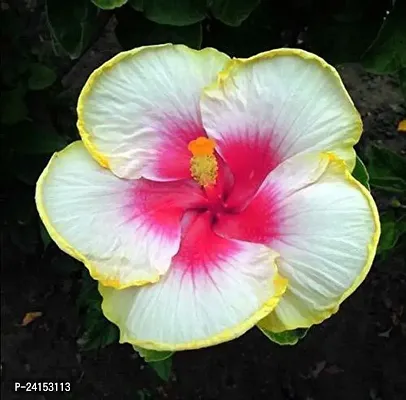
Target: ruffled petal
325, 226
125, 232
268, 108
138, 112
214, 291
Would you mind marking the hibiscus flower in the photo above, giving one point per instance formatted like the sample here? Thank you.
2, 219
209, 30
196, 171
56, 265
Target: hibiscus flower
209, 195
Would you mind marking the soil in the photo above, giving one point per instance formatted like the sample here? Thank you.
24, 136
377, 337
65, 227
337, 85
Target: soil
359, 353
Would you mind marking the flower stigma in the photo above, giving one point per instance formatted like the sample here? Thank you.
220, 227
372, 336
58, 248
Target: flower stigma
203, 164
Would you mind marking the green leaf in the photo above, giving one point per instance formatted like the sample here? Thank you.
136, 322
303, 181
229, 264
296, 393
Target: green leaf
360, 173
13, 107
233, 12
387, 54
72, 24
137, 5
162, 368
40, 77
133, 30
152, 355
390, 184
387, 170
342, 33
160, 361
46, 239
89, 296
287, 337
98, 332
392, 229
259, 32
178, 12
31, 139
109, 4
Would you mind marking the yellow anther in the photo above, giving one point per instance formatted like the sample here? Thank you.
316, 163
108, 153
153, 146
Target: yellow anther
203, 164
202, 146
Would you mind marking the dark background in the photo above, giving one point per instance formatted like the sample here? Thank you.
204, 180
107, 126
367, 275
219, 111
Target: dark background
357, 354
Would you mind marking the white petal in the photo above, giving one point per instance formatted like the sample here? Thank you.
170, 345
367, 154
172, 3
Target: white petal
138, 112
288, 101
325, 226
125, 232
327, 239
215, 290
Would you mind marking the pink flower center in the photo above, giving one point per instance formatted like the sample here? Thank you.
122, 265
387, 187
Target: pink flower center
212, 174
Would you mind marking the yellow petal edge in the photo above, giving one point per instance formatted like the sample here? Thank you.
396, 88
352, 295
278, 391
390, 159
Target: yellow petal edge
276, 325
226, 75
97, 73
63, 243
278, 282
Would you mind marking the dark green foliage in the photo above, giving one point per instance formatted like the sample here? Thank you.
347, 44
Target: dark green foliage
232, 12
160, 361
97, 332
163, 368
130, 23
40, 77
109, 4
176, 12
71, 25
360, 173
260, 31
342, 31
152, 355
387, 54
137, 5
393, 229
284, 338
387, 170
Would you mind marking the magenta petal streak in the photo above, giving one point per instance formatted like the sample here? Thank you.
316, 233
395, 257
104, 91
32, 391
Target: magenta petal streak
203, 220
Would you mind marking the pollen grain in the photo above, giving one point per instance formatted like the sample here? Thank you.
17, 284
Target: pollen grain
203, 163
